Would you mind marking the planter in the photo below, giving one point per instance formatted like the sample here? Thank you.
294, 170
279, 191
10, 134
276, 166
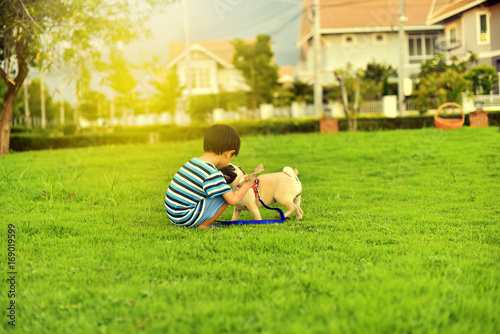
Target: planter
328, 124
479, 119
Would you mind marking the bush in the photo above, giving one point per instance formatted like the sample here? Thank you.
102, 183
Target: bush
69, 129
169, 133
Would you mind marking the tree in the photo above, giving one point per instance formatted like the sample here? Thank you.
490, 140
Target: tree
378, 75
48, 33
302, 92
35, 102
255, 61
18, 107
482, 78
350, 89
92, 105
442, 80
120, 80
167, 88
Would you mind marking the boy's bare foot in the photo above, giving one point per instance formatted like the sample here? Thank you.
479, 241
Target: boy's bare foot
209, 227
204, 225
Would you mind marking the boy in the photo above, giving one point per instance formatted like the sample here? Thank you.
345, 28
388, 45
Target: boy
198, 193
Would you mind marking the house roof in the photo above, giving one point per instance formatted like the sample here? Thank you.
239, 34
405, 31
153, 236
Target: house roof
285, 74
444, 9
220, 50
340, 16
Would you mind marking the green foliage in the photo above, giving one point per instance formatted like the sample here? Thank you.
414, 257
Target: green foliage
167, 89
483, 79
26, 141
378, 76
442, 80
283, 97
373, 86
35, 102
201, 106
299, 91
302, 92
232, 100
94, 105
255, 61
405, 241
78, 34
119, 78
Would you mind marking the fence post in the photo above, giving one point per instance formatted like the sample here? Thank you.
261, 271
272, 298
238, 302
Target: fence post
467, 104
266, 111
390, 105
218, 115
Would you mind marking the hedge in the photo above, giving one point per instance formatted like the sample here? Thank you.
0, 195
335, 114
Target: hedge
26, 141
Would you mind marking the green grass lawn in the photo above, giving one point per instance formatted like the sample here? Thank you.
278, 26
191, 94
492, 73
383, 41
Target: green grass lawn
400, 235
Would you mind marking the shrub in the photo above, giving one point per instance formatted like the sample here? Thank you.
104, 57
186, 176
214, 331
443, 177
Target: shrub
169, 133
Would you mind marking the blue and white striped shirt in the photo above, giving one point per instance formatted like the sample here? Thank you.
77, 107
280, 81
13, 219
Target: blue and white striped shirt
194, 182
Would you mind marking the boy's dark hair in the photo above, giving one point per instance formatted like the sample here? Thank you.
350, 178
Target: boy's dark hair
220, 138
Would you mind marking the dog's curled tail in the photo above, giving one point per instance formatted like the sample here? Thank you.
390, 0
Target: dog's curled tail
291, 171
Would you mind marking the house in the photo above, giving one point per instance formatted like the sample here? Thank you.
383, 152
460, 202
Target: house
469, 25
285, 76
212, 71
359, 32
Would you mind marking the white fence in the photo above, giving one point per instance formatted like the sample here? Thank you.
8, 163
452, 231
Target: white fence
490, 101
370, 107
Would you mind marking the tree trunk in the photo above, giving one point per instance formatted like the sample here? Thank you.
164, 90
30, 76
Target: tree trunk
27, 115
8, 101
42, 100
345, 102
256, 113
355, 109
6, 121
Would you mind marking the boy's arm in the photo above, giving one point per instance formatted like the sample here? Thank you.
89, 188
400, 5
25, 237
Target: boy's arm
234, 197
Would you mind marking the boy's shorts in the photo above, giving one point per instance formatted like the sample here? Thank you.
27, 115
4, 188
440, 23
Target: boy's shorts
212, 205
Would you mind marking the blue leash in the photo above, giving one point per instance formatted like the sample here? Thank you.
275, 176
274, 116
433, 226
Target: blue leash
251, 222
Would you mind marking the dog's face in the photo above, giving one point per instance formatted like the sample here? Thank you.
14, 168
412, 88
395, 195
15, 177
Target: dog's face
233, 174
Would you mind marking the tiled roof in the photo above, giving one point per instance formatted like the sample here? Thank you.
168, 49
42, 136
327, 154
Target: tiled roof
285, 70
446, 8
364, 14
223, 49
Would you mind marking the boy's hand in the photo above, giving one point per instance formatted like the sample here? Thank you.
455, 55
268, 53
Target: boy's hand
251, 178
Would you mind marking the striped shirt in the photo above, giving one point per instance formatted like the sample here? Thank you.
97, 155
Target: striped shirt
194, 182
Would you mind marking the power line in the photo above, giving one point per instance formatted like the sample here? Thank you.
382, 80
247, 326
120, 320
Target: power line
284, 25
250, 25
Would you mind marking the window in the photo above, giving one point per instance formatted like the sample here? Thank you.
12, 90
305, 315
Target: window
348, 39
453, 35
421, 47
204, 78
379, 39
483, 25
200, 77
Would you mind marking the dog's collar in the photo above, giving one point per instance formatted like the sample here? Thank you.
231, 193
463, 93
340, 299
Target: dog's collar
255, 187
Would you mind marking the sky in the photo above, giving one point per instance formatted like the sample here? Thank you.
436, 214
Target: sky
224, 19
208, 20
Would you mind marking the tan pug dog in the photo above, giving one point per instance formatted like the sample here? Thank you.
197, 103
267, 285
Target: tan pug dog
284, 188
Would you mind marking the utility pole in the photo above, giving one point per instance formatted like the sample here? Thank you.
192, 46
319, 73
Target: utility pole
187, 48
27, 116
112, 108
61, 94
318, 89
42, 99
402, 51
